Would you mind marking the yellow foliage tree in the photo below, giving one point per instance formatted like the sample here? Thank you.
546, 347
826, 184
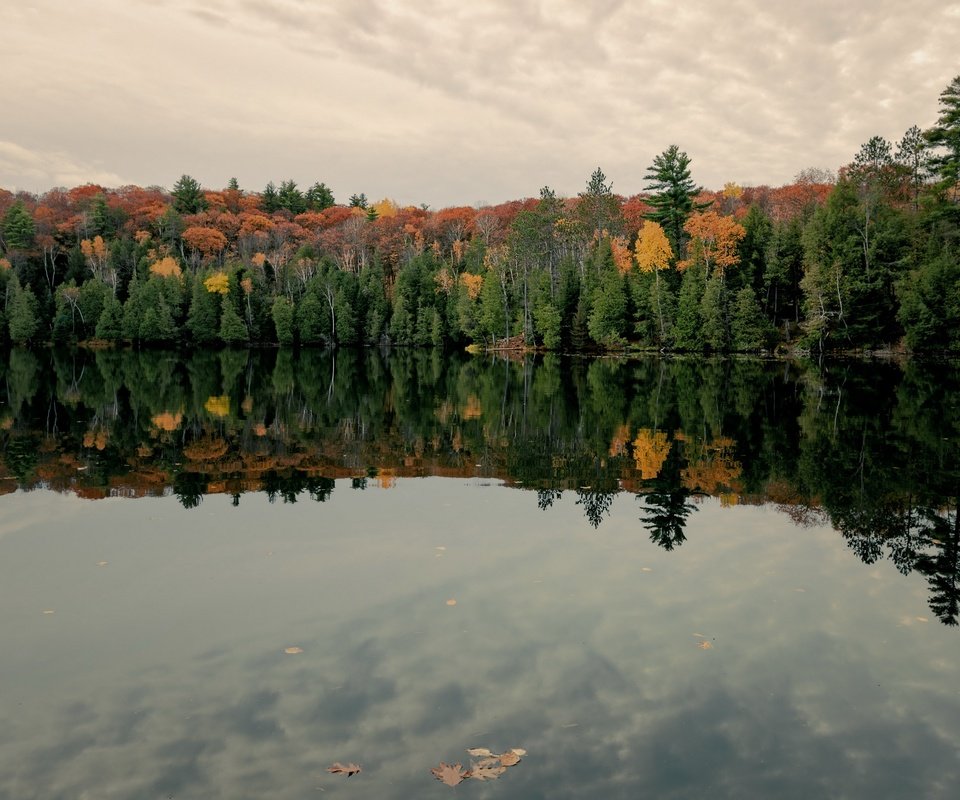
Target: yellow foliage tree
653, 248
166, 267
385, 208
218, 283
474, 284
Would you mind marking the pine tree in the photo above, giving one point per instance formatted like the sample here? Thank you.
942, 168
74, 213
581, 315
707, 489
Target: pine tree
687, 330
748, 328
18, 227
283, 320
202, 318
22, 313
233, 330
673, 192
188, 196
110, 323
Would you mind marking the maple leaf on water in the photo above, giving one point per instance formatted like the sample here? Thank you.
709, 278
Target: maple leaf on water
450, 774
344, 769
509, 758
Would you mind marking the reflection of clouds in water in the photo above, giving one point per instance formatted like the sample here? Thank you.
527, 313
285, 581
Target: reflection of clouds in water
558, 644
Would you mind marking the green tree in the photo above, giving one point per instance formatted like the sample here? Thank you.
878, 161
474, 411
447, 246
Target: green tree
319, 197
607, 320
22, 312
944, 137
714, 313
188, 196
673, 193
202, 318
18, 227
599, 208
284, 321
233, 329
110, 322
749, 329
688, 328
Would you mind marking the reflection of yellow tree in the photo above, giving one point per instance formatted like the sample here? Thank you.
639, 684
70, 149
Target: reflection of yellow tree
218, 405
712, 468
650, 450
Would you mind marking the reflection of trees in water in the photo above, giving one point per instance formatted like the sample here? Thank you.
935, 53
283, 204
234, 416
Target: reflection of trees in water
868, 447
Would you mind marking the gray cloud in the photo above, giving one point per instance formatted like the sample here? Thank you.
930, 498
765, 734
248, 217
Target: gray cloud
445, 102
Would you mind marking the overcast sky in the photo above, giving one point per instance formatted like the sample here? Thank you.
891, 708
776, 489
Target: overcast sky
445, 103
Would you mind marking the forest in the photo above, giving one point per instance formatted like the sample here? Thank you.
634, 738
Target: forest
863, 260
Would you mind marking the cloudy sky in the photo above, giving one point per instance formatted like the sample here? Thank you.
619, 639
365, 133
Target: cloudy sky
443, 102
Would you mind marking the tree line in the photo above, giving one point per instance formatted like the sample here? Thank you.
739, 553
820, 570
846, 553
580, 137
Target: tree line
864, 259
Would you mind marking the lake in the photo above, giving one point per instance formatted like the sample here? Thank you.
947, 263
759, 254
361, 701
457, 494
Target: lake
221, 574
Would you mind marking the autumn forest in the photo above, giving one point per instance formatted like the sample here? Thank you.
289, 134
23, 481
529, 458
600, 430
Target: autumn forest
867, 259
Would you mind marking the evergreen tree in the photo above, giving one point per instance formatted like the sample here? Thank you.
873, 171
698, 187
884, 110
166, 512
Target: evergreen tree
18, 227
319, 197
284, 320
291, 198
233, 330
944, 137
608, 316
110, 323
748, 328
673, 192
188, 196
714, 312
269, 198
22, 317
599, 208
202, 319
688, 329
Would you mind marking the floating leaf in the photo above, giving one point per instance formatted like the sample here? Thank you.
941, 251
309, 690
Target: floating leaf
344, 769
450, 774
486, 773
49, 611
517, 751
704, 645
509, 758
481, 751
451, 602
292, 651
102, 563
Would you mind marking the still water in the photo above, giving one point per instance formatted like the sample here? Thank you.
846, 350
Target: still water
660, 578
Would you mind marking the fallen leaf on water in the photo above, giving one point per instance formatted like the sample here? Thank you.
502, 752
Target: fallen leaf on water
700, 635
344, 769
509, 758
480, 751
48, 611
450, 774
646, 569
292, 651
704, 645
451, 602
519, 751
102, 563
486, 773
